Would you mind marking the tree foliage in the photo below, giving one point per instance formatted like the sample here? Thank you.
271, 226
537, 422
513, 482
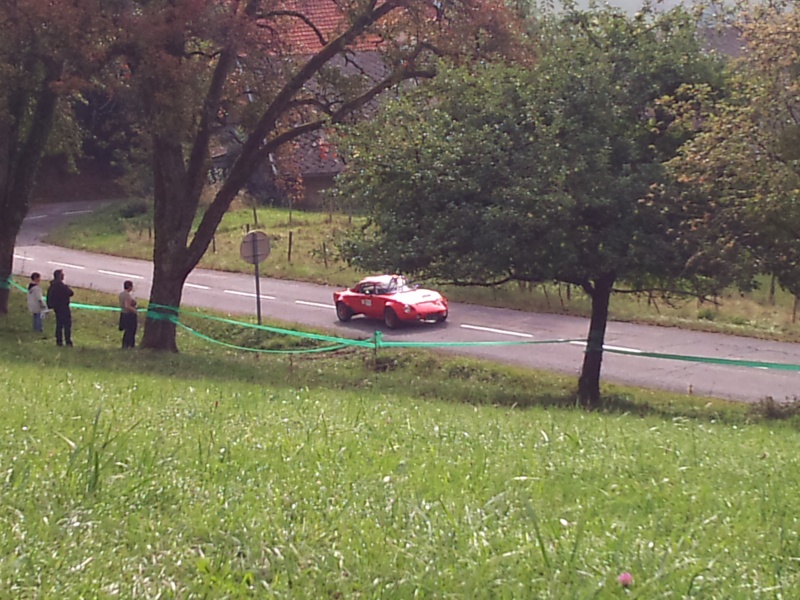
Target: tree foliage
498, 173
47, 58
746, 154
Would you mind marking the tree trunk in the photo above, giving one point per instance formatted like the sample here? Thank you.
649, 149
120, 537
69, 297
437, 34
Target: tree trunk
7, 240
174, 208
19, 160
14, 208
165, 301
589, 382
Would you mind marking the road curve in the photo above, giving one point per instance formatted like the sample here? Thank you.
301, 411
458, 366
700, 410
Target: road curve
311, 305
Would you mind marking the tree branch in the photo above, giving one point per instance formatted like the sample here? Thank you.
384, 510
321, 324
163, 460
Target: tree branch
297, 15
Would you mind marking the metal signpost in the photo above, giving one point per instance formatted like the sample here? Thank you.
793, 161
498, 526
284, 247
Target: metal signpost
255, 250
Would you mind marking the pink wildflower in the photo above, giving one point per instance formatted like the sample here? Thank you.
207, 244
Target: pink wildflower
625, 579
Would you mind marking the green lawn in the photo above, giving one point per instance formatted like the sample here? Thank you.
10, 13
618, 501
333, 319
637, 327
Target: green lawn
125, 229
218, 474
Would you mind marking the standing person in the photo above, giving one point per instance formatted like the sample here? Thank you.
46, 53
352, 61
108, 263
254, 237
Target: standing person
58, 296
36, 302
128, 315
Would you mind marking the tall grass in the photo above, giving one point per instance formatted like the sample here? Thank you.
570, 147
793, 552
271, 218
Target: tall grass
217, 475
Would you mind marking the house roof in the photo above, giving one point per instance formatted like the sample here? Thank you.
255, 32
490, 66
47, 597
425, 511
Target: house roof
324, 18
317, 157
316, 154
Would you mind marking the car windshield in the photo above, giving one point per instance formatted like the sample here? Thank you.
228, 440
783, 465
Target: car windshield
393, 286
399, 284
402, 286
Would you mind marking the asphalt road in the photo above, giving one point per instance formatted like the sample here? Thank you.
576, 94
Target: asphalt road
312, 305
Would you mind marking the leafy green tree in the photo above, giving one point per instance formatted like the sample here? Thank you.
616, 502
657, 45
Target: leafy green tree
746, 154
554, 173
275, 70
46, 58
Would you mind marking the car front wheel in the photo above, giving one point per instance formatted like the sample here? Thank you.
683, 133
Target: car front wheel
390, 318
343, 312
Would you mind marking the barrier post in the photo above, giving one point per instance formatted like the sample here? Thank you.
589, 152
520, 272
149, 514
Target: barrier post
377, 340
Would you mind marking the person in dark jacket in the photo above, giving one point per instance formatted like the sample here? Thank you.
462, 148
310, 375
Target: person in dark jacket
58, 299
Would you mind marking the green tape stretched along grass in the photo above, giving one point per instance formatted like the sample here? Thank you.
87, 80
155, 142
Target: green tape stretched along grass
155, 311
171, 316
376, 341
94, 307
260, 350
382, 344
710, 360
9, 283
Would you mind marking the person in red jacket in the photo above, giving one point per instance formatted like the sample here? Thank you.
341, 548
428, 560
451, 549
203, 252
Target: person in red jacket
58, 299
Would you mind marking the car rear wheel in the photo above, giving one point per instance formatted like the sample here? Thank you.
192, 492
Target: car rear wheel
442, 317
390, 318
343, 312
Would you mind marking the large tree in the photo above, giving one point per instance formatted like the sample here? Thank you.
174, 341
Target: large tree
746, 153
274, 70
496, 174
46, 58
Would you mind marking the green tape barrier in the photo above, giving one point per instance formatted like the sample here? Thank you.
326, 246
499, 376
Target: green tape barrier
374, 342
94, 307
10, 283
733, 362
207, 338
157, 311
290, 332
383, 344
5, 284
377, 342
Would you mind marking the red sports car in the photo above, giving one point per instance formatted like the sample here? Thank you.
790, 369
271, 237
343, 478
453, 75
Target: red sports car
391, 298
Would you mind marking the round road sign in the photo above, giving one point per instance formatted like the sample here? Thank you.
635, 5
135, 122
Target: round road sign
255, 247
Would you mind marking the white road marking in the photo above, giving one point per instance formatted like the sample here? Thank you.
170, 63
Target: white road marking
317, 304
20, 257
36, 217
60, 264
502, 331
607, 347
198, 286
115, 274
248, 294
77, 212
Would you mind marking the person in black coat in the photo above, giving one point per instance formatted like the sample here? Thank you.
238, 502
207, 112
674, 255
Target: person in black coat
58, 299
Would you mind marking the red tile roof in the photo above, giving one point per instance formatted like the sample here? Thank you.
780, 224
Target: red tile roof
323, 18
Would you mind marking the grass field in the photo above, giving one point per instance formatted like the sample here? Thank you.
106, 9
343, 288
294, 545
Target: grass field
125, 229
219, 474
